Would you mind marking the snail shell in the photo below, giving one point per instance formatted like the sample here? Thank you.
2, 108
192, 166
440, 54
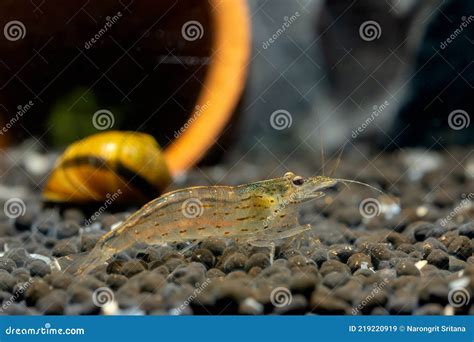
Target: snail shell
128, 164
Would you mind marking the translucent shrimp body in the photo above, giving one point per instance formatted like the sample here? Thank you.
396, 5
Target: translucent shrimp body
256, 213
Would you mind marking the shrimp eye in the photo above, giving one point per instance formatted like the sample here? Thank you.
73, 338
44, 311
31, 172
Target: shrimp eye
298, 180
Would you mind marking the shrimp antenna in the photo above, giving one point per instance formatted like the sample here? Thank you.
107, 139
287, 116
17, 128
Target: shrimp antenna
321, 142
360, 183
338, 160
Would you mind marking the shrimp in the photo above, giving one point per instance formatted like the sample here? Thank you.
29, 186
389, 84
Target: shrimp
256, 213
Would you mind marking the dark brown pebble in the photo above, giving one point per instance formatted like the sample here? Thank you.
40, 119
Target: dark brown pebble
115, 266
21, 274
461, 247
214, 273
254, 271
467, 229
24, 222
456, 265
59, 280
402, 303
299, 261
149, 255
434, 291
39, 268
234, 262
151, 282
334, 266
53, 303
174, 263
88, 242
79, 294
72, 214
204, 256
357, 260
325, 303
303, 283
379, 252
67, 229
7, 264
335, 279
319, 256
7, 281
215, 245
407, 268
132, 267
439, 259
63, 248
38, 289
19, 255
261, 260
341, 252
115, 281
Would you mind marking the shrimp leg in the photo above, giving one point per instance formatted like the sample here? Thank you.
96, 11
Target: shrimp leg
267, 239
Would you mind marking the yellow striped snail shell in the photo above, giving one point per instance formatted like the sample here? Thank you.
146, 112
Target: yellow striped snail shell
128, 166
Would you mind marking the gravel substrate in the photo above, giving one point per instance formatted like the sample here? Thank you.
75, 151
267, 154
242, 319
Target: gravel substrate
413, 257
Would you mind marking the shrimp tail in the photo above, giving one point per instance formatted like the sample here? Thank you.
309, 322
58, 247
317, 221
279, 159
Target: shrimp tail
83, 263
